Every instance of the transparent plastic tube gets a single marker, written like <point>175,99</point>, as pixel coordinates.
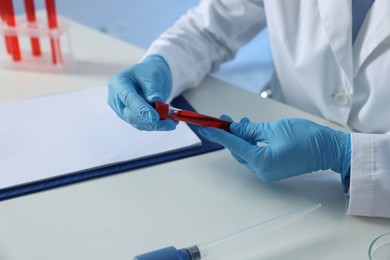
<point>205,249</point>
<point>201,251</point>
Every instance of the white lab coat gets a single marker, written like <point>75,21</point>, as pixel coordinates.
<point>318,70</point>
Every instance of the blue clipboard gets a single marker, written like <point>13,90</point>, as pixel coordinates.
<point>179,102</point>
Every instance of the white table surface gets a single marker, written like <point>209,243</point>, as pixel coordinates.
<point>178,203</point>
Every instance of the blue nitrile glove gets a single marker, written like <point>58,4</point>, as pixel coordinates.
<point>293,147</point>
<point>131,91</point>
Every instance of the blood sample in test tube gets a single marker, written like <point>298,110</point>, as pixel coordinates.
<point>31,18</point>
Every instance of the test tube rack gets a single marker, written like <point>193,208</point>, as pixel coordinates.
<point>34,43</point>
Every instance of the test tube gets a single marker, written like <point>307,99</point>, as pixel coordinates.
<point>167,112</point>
<point>31,18</point>
<point>4,14</point>
<point>203,250</point>
<point>11,22</point>
<point>52,22</point>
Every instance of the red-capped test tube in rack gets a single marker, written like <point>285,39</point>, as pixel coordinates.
<point>31,18</point>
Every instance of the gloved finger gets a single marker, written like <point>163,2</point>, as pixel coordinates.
<point>239,159</point>
<point>257,163</point>
<point>116,104</point>
<point>138,120</point>
<point>226,117</point>
<point>236,156</point>
<point>258,159</point>
<point>157,84</point>
<point>112,99</point>
<point>152,90</point>
<point>123,93</point>
<point>233,143</point>
<point>137,109</point>
<point>162,125</point>
<point>252,131</point>
<point>229,118</point>
<point>148,85</point>
<point>244,120</point>
<point>243,162</point>
<point>165,125</point>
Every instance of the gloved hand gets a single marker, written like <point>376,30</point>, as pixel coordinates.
<point>293,147</point>
<point>131,91</point>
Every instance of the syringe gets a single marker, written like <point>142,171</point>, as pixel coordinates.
<point>167,112</point>
<point>201,251</point>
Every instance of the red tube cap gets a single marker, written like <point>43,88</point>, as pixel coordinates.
<point>162,109</point>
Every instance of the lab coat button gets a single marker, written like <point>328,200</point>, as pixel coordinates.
<point>341,99</point>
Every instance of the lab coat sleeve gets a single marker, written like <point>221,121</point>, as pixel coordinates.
<point>207,36</point>
<point>370,175</point>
